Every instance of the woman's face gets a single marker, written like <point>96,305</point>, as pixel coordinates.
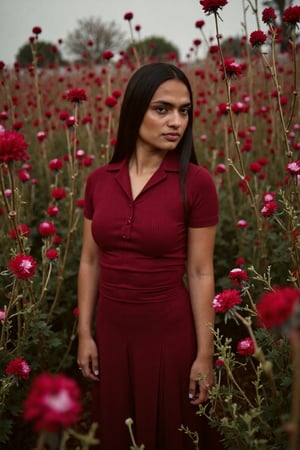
<point>166,118</point>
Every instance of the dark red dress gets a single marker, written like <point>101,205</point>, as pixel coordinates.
<point>144,326</point>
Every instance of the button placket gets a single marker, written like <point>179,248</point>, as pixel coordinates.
<point>128,223</point>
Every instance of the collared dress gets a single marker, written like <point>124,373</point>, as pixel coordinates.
<point>144,325</point>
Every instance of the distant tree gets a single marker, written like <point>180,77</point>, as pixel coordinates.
<point>92,37</point>
<point>155,47</point>
<point>47,54</point>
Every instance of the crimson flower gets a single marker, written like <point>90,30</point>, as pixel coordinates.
<point>110,101</point>
<point>22,266</point>
<point>116,93</point>
<point>257,38</point>
<point>128,16</point>
<point>238,275</point>
<point>242,223</point>
<point>55,164</point>
<point>291,15</point>
<point>231,68</point>
<point>19,368</point>
<point>199,24</point>
<point>53,403</point>
<point>277,306</point>
<point>47,228</point>
<point>226,300</point>
<point>107,54</point>
<point>268,197</point>
<point>268,15</point>
<point>22,230</point>
<point>269,208</point>
<point>254,167</point>
<point>52,211</point>
<point>219,362</point>
<point>58,193</point>
<point>212,6</point>
<point>12,147</point>
<point>36,30</point>
<point>51,253</point>
<point>245,347</point>
<point>222,109</point>
<point>75,95</point>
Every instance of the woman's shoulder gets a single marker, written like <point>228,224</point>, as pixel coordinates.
<point>198,174</point>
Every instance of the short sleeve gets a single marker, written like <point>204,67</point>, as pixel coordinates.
<point>202,198</point>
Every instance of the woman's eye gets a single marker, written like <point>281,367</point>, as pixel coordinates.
<point>161,109</point>
<point>185,111</point>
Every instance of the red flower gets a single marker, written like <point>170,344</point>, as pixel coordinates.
<point>257,38</point>
<point>52,253</point>
<point>245,347</point>
<point>226,300</point>
<point>47,228</point>
<point>12,147</point>
<point>76,95</point>
<point>116,93</point>
<point>254,167</point>
<point>19,368</point>
<point>212,6</point>
<point>268,15</point>
<point>80,203</point>
<point>276,307</point>
<point>22,230</point>
<point>52,403</point>
<point>222,109</point>
<point>58,193</point>
<point>55,164</point>
<point>107,54</point>
<point>268,197</point>
<point>292,15</point>
<point>231,68</point>
<point>110,101</point>
<point>199,23</point>
<point>269,208</point>
<point>242,223</point>
<point>22,266</point>
<point>36,30</point>
<point>52,211</point>
<point>219,362</point>
<point>128,16</point>
<point>237,276</point>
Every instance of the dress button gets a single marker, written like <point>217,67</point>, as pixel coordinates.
<point>129,221</point>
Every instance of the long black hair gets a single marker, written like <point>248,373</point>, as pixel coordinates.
<point>139,92</point>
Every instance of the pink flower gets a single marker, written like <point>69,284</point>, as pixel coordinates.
<point>47,229</point>
<point>22,266</point>
<point>212,6</point>
<point>245,347</point>
<point>22,231</point>
<point>76,95</point>
<point>242,223</point>
<point>52,211</point>
<point>12,147</point>
<point>226,300</point>
<point>257,38</point>
<point>277,306</point>
<point>268,197</point>
<point>2,315</point>
<point>269,209</point>
<point>268,15</point>
<point>293,168</point>
<point>291,15</point>
<point>58,193</point>
<point>52,403</point>
<point>19,368</point>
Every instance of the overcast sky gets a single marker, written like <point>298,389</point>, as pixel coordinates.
<point>172,19</point>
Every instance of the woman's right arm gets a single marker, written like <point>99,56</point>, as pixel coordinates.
<point>88,284</point>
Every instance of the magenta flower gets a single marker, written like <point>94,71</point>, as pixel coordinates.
<point>22,266</point>
<point>277,306</point>
<point>257,38</point>
<point>219,362</point>
<point>226,300</point>
<point>2,315</point>
<point>237,276</point>
<point>212,6</point>
<point>12,147</point>
<point>19,368</point>
<point>58,193</point>
<point>269,208</point>
<point>22,231</point>
<point>293,168</point>
<point>268,197</point>
<point>242,223</point>
<point>53,403</point>
<point>51,254</point>
<point>245,347</point>
<point>52,211</point>
<point>55,164</point>
<point>231,68</point>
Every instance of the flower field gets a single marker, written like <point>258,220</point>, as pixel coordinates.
<point>59,123</point>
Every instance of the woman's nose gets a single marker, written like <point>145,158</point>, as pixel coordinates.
<point>175,119</point>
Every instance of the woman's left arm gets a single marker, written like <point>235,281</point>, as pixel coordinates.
<point>200,272</point>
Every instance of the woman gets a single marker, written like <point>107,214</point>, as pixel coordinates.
<point>150,218</point>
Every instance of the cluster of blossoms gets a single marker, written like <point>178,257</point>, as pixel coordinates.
<point>270,206</point>
<point>53,403</point>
